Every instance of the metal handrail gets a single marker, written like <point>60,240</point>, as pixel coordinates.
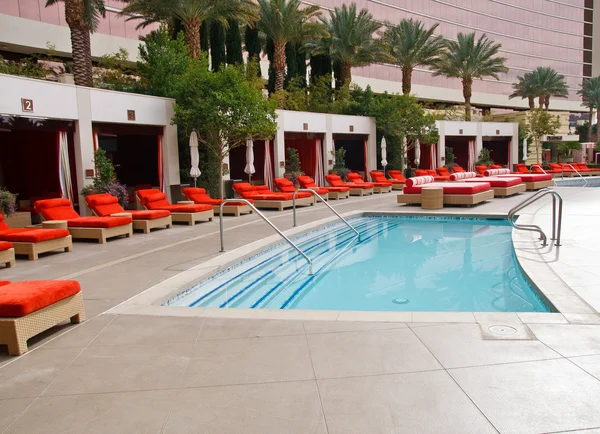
<point>261,215</point>
<point>539,166</point>
<point>314,193</point>
<point>556,228</point>
<point>576,171</point>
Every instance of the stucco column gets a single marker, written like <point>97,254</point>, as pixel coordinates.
<point>372,162</point>
<point>83,144</point>
<point>328,149</point>
<point>279,147</point>
<point>441,145</point>
<point>478,141</point>
<point>170,148</point>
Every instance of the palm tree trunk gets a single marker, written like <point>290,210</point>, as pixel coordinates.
<point>192,36</point>
<point>547,102</point>
<point>589,135</point>
<point>279,64</point>
<point>467,93</point>
<point>406,80</point>
<point>531,103</point>
<point>541,100</point>
<point>346,73</point>
<point>80,42</point>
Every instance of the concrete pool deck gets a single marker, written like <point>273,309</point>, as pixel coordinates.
<point>141,373</point>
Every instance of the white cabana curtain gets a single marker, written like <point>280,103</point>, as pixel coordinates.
<point>319,176</point>
<point>194,156</point>
<point>405,151</point>
<point>64,166</point>
<point>384,161</point>
<point>417,153</point>
<point>525,149</point>
<point>268,168</point>
<point>472,156</point>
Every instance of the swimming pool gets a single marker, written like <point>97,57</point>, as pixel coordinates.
<point>400,264</point>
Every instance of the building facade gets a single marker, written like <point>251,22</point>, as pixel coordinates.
<point>555,33</point>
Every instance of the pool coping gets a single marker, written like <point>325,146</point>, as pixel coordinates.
<point>527,251</point>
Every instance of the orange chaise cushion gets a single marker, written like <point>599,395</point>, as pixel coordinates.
<point>4,282</point>
<point>284,185</point>
<point>335,181</point>
<point>200,196</point>
<point>21,298</point>
<point>32,235</point>
<point>56,209</point>
<point>147,214</point>
<point>104,204</point>
<point>98,222</point>
<point>5,245</point>
<point>396,174</point>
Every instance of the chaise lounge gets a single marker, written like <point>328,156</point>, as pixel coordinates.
<point>265,198</point>
<point>533,181</point>
<point>332,192</point>
<point>433,173</point>
<point>31,307</point>
<point>396,175</point>
<point>503,187</point>
<point>33,241</point>
<point>154,199</point>
<point>378,187</point>
<point>201,197</point>
<point>284,185</point>
<point>378,176</point>
<point>95,228</point>
<point>355,189</point>
<point>454,193</point>
<point>107,205</point>
<point>7,254</point>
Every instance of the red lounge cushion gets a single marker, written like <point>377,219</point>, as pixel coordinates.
<point>284,185</point>
<point>529,177</point>
<point>338,189</point>
<point>235,203</point>
<point>30,235</point>
<point>4,282</point>
<point>2,224</point>
<point>453,188</point>
<point>382,184</point>
<point>481,169</point>
<point>396,174</point>
<point>98,222</point>
<point>149,214</point>
<point>5,245</point>
<point>378,176</point>
<point>21,298</point>
<point>458,169</point>
<point>306,182</point>
<point>362,184</point>
<point>104,204</point>
<point>420,172</point>
<point>320,191</point>
<point>56,209</point>
<point>334,181</point>
<point>496,166</point>
<point>275,196</point>
<point>188,208</point>
<point>498,182</point>
<point>442,171</point>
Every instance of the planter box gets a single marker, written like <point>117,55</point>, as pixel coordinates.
<point>18,220</point>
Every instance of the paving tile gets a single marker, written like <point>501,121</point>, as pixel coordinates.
<point>255,360</point>
<point>463,345</point>
<point>569,340</point>
<point>80,336</point>
<point>443,317</point>
<point>589,364</point>
<point>542,318</point>
<point>131,412</point>
<point>148,330</point>
<point>532,397</point>
<point>124,368</point>
<point>11,409</point>
<point>373,352</point>
<point>424,402</point>
<point>570,304</point>
<point>29,375</point>
<point>313,327</point>
<point>583,318</point>
<point>290,408</point>
<point>231,328</point>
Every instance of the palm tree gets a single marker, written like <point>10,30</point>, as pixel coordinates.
<point>283,21</point>
<point>192,13</point>
<point>549,83</point>
<point>412,45</point>
<point>526,87</point>
<point>83,17</point>
<point>351,41</point>
<point>468,59</point>
<point>590,95</point>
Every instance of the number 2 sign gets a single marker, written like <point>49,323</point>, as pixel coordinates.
<point>26,105</point>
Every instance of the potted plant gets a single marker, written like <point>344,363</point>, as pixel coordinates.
<point>339,166</point>
<point>565,151</point>
<point>8,202</point>
<point>105,180</point>
<point>485,159</point>
<point>292,166</point>
<point>449,158</point>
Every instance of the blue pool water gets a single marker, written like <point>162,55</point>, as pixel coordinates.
<point>400,264</point>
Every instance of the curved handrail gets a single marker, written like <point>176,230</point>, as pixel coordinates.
<point>261,215</point>
<point>539,166</point>
<point>556,229</point>
<point>576,171</point>
<point>314,193</point>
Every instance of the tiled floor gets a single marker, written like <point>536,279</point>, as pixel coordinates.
<point>152,374</point>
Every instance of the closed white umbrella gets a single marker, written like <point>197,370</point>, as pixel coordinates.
<point>405,151</point>
<point>194,171</point>
<point>383,153</point>
<point>249,169</point>
<point>417,153</point>
<point>524,149</point>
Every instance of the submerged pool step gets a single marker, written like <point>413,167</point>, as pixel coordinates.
<point>263,270</point>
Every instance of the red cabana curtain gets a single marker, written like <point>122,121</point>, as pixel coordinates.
<point>366,177</point>
<point>161,166</point>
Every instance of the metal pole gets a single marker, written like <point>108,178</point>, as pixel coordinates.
<point>553,217</point>
<point>560,205</point>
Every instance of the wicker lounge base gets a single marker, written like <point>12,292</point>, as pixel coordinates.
<point>32,250</point>
<point>14,332</point>
<point>397,186</point>
<point>282,204</point>
<point>337,195</point>
<point>234,210</point>
<point>508,191</point>
<point>360,191</point>
<point>146,225</point>
<point>101,234</point>
<point>382,189</point>
<point>538,184</point>
<point>450,199</point>
<point>192,217</point>
<point>7,257</point>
